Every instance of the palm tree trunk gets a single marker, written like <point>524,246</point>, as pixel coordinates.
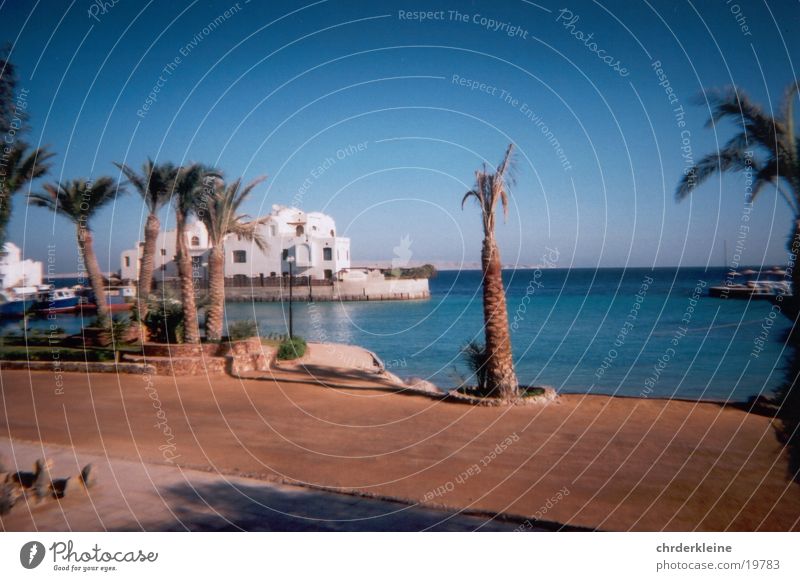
<point>86,248</point>
<point>191,328</point>
<point>794,249</point>
<point>501,380</point>
<point>147,266</point>
<point>216,293</point>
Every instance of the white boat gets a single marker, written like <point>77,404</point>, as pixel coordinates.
<point>18,301</point>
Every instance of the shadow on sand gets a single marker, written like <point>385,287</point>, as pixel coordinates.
<point>232,506</point>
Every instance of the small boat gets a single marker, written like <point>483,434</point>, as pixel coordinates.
<point>18,301</point>
<point>58,300</point>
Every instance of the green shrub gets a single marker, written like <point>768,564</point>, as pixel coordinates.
<point>118,329</point>
<point>292,348</point>
<point>240,330</point>
<point>164,320</point>
<point>475,355</point>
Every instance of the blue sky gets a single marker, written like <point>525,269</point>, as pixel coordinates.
<point>278,88</point>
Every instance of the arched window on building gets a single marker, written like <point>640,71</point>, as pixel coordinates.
<point>299,231</point>
<point>195,241</point>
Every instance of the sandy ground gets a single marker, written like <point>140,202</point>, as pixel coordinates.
<point>137,496</point>
<point>590,461</point>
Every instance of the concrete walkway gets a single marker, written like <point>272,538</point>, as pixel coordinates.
<point>134,496</point>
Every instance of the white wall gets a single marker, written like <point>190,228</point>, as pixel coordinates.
<point>14,271</point>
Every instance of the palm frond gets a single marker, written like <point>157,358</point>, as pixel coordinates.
<point>78,200</point>
<point>787,114</point>
<point>222,217</point>
<point>472,193</point>
<point>733,159</point>
<point>760,128</point>
<point>492,188</point>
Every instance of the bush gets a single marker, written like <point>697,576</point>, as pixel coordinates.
<point>164,320</point>
<point>241,330</point>
<point>475,355</point>
<point>292,348</point>
<point>424,271</point>
<point>119,329</point>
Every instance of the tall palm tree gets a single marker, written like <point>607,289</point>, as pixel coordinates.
<point>222,218</point>
<point>19,169</point>
<point>776,166</point>
<point>79,201</point>
<point>153,184</point>
<point>191,186</point>
<point>491,188</point>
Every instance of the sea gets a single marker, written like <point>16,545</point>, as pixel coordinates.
<point>636,332</point>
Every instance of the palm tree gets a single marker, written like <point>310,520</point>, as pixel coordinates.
<point>153,185</point>
<point>491,188</point>
<point>191,186</point>
<point>221,218</point>
<point>79,201</point>
<point>778,165</point>
<point>19,169</point>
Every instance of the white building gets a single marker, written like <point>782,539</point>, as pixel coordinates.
<point>15,272</point>
<point>308,237</point>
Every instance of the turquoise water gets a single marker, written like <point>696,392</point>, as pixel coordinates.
<point>577,330</point>
<point>569,331</point>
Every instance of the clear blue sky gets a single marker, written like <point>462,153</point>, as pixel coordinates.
<point>279,87</point>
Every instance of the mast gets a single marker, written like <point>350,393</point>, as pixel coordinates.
<point>725,253</point>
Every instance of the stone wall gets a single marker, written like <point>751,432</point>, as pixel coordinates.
<point>362,290</point>
<point>206,359</point>
<point>80,366</point>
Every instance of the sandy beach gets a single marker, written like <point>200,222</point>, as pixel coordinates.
<point>585,461</point>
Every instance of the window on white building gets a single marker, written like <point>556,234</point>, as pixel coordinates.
<point>273,230</point>
<point>127,261</point>
<point>299,231</point>
<point>327,254</point>
<point>239,256</point>
<point>195,241</point>
<point>163,252</point>
<point>285,254</point>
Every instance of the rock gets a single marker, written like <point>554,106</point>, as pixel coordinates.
<point>9,494</point>
<point>87,477</point>
<point>22,479</point>
<point>60,487</point>
<point>419,384</point>
<point>42,482</point>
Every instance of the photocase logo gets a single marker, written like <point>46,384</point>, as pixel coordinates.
<point>402,253</point>
<point>31,554</point>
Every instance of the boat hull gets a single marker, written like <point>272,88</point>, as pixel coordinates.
<point>15,309</point>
